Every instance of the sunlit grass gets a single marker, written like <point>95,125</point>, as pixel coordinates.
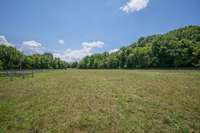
<point>102,101</point>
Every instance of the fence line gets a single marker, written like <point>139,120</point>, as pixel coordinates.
<point>23,73</point>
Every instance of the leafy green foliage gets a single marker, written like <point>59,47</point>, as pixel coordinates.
<point>178,48</point>
<point>11,58</point>
<point>1,65</point>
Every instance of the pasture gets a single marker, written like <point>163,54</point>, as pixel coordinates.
<point>102,101</point>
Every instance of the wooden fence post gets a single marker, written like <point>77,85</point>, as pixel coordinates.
<point>23,75</point>
<point>32,74</point>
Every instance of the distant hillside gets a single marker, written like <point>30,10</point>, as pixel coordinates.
<point>177,48</point>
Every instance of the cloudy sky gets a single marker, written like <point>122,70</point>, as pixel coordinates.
<point>72,29</point>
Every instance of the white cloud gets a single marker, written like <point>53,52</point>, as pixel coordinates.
<point>28,47</point>
<point>113,50</point>
<point>32,47</point>
<point>69,55</point>
<point>94,44</point>
<point>134,5</point>
<point>3,41</point>
<point>76,55</point>
<point>61,41</point>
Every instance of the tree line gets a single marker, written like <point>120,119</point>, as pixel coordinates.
<point>12,59</point>
<point>178,48</point>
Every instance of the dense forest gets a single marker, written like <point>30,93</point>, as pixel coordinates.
<point>178,48</point>
<point>11,58</point>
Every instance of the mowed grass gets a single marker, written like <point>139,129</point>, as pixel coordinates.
<point>102,101</point>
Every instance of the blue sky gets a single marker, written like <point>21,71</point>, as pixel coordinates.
<point>72,29</point>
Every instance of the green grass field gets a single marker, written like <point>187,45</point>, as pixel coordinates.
<point>104,101</point>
